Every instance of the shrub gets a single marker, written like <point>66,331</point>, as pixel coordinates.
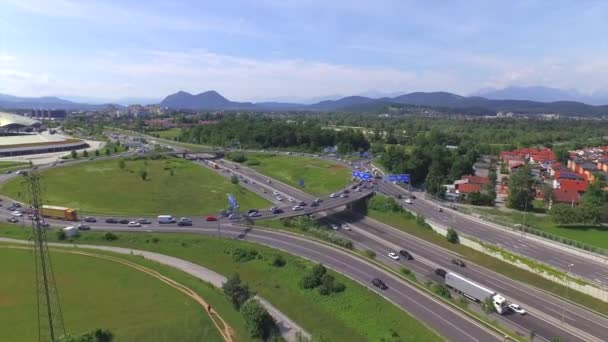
<point>237,292</point>
<point>278,261</point>
<point>370,254</point>
<point>258,321</point>
<point>61,235</point>
<point>452,236</point>
<point>441,290</point>
<point>243,255</point>
<point>252,162</point>
<point>109,236</point>
<point>237,157</point>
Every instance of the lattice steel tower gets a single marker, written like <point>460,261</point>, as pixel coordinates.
<point>50,320</point>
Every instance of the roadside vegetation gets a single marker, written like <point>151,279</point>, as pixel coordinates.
<point>168,134</point>
<point>11,165</point>
<point>97,293</point>
<point>138,186</point>
<point>354,314</point>
<point>381,208</point>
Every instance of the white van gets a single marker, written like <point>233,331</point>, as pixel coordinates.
<point>165,219</point>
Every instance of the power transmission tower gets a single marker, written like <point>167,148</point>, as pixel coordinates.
<point>50,320</point>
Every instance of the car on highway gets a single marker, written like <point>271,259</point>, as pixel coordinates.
<point>277,211</point>
<point>264,191</point>
<point>12,220</point>
<point>344,195</point>
<point>458,262</point>
<point>111,220</point>
<point>406,254</point>
<point>393,256</point>
<point>317,200</point>
<point>83,227</point>
<point>346,227</point>
<point>399,196</point>
<point>302,204</point>
<point>296,208</point>
<point>334,226</point>
<point>184,221</point>
<point>413,196</point>
<point>17,213</point>
<point>255,214</point>
<point>346,191</point>
<point>290,199</point>
<point>279,198</point>
<point>276,193</point>
<point>379,284</point>
<point>268,181</point>
<point>132,224</point>
<point>125,221</point>
<point>143,221</point>
<point>441,272</point>
<point>516,308</point>
<point>334,195</point>
<point>210,219</point>
<point>90,219</point>
<point>251,211</point>
<point>440,209</point>
<point>314,204</point>
<point>358,190</point>
<point>234,217</point>
<point>408,201</point>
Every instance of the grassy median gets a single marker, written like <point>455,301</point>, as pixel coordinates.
<point>356,314</point>
<point>320,176</point>
<point>171,186</point>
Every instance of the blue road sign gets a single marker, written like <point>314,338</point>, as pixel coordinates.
<point>403,178</point>
<point>232,202</point>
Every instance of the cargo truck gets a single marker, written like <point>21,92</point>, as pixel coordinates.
<point>61,213</point>
<point>476,292</point>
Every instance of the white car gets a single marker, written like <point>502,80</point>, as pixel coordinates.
<point>334,195</point>
<point>393,256</point>
<point>296,208</point>
<point>17,213</point>
<point>134,224</point>
<point>276,193</point>
<point>346,227</point>
<point>291,200</point>
<point>279,198</point>
<point>408,201</point>
<point>335,227</point>
<point>517,308</point>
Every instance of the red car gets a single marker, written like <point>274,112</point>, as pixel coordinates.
<point>210,218</point>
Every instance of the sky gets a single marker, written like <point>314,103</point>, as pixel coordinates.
<point>252,50</point>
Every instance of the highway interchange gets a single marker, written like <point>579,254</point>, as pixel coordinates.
<point>546,311</point>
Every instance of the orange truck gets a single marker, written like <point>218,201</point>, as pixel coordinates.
<point>61,213</point>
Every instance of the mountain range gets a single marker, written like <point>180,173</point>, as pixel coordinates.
<point>542,94</point>
<point>491,103</point>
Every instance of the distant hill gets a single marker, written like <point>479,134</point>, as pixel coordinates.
<point>47,102</point>
<point>207,100</point>
<point>542,94</point>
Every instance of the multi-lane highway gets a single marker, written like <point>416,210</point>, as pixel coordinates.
<point>586,268</point>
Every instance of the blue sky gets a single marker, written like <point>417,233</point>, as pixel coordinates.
<point>290,49</point>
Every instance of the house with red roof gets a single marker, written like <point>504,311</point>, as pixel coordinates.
<point>467,188</point>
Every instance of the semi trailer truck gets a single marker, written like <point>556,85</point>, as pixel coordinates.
<point>61,213</point>
<point>476,292</point>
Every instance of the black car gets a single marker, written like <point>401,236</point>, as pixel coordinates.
<point>314,204</point>
<point>12,220</point>
<point>399,197</point>
<point>379,283</point>
<point>251,211</point>
<point>441,272</point>
<point>124,221</point>
<point>184,223</point>
<point>413,196</point>
<point>277,211</point>
<point>346,191</point>
<point>143,221</point>
<point>406,254</point>
<point>83,227</point>
<point>111,220</point>
<point>458,262</point>
<point>302,204</point>
<point>353,187</point>
<point>90,219</point>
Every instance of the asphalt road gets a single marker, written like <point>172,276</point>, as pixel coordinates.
<point>446,321</point>
<point>548,316</point>
<point>583,267</point>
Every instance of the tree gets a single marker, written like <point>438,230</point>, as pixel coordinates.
<point>96,153</point>
<point>521,190</point>
<point>108,152</point>
<point>237,292</point>
<point>122,164</point>
<point>258,321</point>
<point>234,179</point>
<point>97,335</point>
<point>85,153</point>
<point>74,154</point>
<point>452,236</point>
<point>548,195</point>
<point>61,235</point>
<point>143,174</point>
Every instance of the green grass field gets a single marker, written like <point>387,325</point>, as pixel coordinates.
<point>591,235</point>
<point>168,134</point>
<point>321,177</point>
<point>174,186</point>
<point>354,315</point>
<point>97,293</point>
<point>10,165</point>
<point>398,220</point>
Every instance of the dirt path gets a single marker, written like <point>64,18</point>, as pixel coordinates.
<point>224,329</point>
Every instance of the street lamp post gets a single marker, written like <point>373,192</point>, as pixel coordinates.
<point>567,290</point>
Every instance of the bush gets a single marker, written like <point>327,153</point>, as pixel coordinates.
<point>61,235</point>
<point>441,290</point>
<point>109,236</point>
<point>252,162</point>
<point>237,292</point>
<point>244,255</point>
<point>278,261</point>
<point>237,157</point>
<point>234,180</point>
<point>370,254</point>
<point>406,271</point>
<point>452,236</point>
<point>318,277</point>
<point>258,321</point>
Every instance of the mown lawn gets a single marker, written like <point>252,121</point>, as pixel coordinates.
<point>357,314</point>
<point>320,176</point>
<point>97,293</point>
<point>11,165</point>
<point>174,186</point>
<point>168,134</point>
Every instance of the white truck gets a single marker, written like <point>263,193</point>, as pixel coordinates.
<point>165,219</point>
<point>476,292</point>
